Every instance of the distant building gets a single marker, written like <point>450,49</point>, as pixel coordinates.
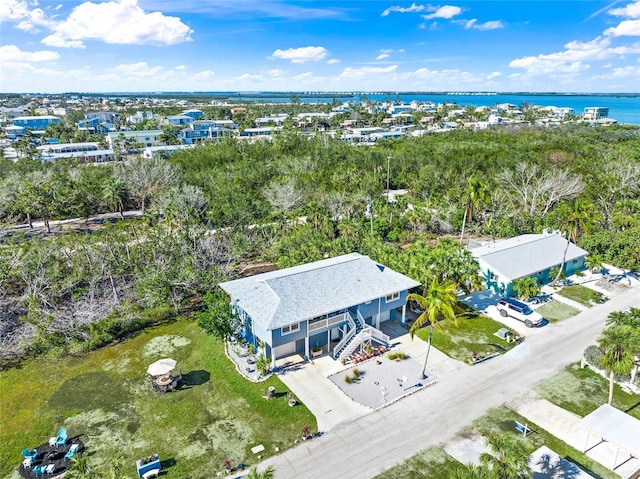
<point>139,137</point>
<point>592,113</point>
<point>202,130</point>
<point>36,122</point>
<point>88,152</point>
<point>179,120</point>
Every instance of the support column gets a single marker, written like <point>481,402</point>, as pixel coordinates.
<point>273,359</point>
<point>306,347</point>
<point>403,321</point>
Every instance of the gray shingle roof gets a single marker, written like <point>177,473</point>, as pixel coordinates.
<point>527,254</point>
<point>287,296</point>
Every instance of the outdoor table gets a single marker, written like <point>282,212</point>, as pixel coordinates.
<point>164,380</point>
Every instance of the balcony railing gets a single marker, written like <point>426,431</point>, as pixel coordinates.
<point>327,322</point>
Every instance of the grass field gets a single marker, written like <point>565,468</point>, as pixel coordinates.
<point>580,294</point>
<point>474,334</point>
<point>582,391</point>
<point>555,311</point>
<point>105,397</point>
<point>428,464</point>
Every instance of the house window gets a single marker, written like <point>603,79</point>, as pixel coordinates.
<point>392,297</point>
<point>574,261</point>
<point>493,277</point>
<point>292,328</point>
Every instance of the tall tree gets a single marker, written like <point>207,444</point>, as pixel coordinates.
<point>476,194</point>
<point>619,345</point>
<point>575,218</point>
<point>438,304</point>
<point>116,194</point>
<point>146,178</point>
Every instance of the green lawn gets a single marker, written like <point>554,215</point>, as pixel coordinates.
<point>473,334</point>
<point>105,396</point>
<point>428,464</point>
<point>581,391</point>
<point>502,419</point>
<point>580,294</point>
<point>555,311</point>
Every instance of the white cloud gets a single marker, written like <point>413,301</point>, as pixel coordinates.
<point>447,12</point>
<point>301,55</point>
<point>140,69</point>
<point>571,59</point>
<point>350,73</point>
<point>307,78</point>
<point>246,77</point>
<point>382,56</point>
<point>121,22</point>
<point>493,75</point>
<point>398,9</point>
<point>630,28</point>
<point>59,42</point>
<point>203,75</point>
<point>630,11</point>
<point>29,19</point>
<point>473,24</point>
<point>276,72</point>
<point>333,61</point>
<point>11,53</point>
<point>181,67</point>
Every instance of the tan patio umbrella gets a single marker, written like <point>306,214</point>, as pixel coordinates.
<point>161,367</point>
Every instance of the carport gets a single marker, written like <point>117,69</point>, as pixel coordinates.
<point>615,427</point>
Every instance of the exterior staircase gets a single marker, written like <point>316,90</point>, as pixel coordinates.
<point>358,334</point>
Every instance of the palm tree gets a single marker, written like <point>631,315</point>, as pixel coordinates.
<point>576,218</point>
<point>266,473</point>
<point>619,344</point>
<point>470,471</point>
<point>438,303</point>
<point>594,262</point>
<point>475,195</point>
<point>526,287</point>
<point>508,458</point>
<point>116,194</point>
<point>628,318</point>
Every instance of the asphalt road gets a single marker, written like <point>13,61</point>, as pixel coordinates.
<point>377,441</point>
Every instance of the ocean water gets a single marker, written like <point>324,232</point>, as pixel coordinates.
<point>623,108</point>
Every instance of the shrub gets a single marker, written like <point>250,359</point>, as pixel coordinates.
<point>347,379</point>
<point>592,356</point>
<point>356,373</point>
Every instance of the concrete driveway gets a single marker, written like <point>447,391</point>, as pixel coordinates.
<point>309,382</point>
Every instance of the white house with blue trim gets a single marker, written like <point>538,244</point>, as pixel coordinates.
<point>335,304</point>
<point>534,255</point>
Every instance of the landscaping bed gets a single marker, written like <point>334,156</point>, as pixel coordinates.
<point>106,397</point>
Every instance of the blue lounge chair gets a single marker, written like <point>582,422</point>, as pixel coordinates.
<point>39,470</point>
<point>30,454</point>
<point>61,440</point>
<point>72,451</point>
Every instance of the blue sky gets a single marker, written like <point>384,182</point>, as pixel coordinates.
<point>361,45</point>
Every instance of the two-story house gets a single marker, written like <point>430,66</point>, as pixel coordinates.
<point>335,304</point>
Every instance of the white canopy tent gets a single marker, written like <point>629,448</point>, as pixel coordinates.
<point>615,427</point>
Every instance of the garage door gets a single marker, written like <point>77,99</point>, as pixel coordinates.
<point>285,350</point>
